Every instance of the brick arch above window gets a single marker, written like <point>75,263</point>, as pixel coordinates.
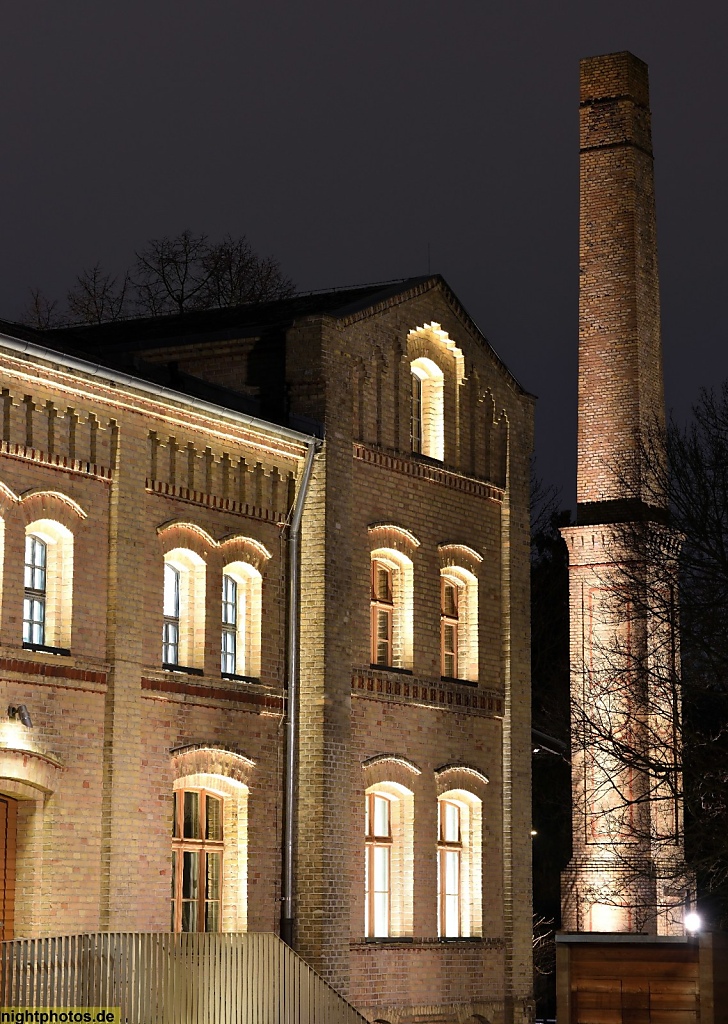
<point>461,776</point>
<point>27,774</point>
<point>54,505</point>
<point>389,535</point>
<point>239,548</point>
<point>182,534</point>
<point>208,759</point>
<point>459,555</point>
<point>390,767</point>
<point>430,342</point>
<point>8,499</point>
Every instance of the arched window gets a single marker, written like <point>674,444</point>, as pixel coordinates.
<point>34,602</point>
<point>459,623</point>
<point>428,408</point>
<point>170,638</point>
<point>391,608</point>
<point>197,861</point>
<point>183,630</point>
<point>241,620</point>
<point>459,864</point>
<point>388,851</point>
<point>378,871</point>
<point>48,585</point>
<point>210,820</point>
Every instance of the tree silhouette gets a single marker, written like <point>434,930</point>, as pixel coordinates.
<point>170,275</point>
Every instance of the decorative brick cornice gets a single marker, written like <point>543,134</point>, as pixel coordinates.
<point>424,471</point>
<point>448,696</point>
<point>213,501</point>
<point>40,668</point>
<point>262,701</point>
<point>19,451</point>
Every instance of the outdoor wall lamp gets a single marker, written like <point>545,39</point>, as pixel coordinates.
<point>20,711</point>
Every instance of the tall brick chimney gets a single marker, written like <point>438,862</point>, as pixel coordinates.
<point>620,359</point>
<point>627,872</point>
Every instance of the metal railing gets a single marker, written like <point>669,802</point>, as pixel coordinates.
<point>162,978</point>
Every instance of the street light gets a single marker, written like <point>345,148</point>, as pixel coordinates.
<point>692,922</point>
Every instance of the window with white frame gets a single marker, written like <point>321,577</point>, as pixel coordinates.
<point>388,867</point>
<point>48,585</point>
<point>378,869</point>
<point>428,408</point>
<point>34,601</point>
<point>459,864</point>
<point>170,633</point>
<point>391,609</point>
<point>449,868</point>
<point>230,611</point>
<point>240,643</point>
<point>183,606</point>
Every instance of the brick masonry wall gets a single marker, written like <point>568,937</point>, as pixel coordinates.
<point>94,776</point>
<point>358,374</point>
<point>167,467</point>
<point>620,358</point>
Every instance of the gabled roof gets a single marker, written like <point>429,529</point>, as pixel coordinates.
<point>115,343</point>
<point>248,320</point>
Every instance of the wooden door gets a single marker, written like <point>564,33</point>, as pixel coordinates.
<point>8,834</point>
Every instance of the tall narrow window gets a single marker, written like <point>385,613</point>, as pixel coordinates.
<point>228,651</point>
<point>34,602</point>
<point>449,858</point>
<point>416,428</point>
<point>428,408</point>
<point>449,629</point>
<point>382,614</point>
<point>242,614</point>
<point>378,867</point>
<point>459,624</point>
<point>197,848</point>
<point>170,637</point>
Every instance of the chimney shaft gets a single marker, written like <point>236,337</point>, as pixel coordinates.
<point>620,362</point>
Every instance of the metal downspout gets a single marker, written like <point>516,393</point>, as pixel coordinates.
<point>293,668</point>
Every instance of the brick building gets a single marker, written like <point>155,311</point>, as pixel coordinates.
<point>151,474</point>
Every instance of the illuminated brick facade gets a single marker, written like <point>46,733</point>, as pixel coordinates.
<point>145,479</point>
<point>627,869</point>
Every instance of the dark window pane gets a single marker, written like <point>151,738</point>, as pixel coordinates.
<point>190,874</point>
<point>192,816</point>
<point>189,916</point>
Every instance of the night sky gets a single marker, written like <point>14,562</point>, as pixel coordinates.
<point>350,139</point>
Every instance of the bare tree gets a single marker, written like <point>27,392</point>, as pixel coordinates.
<point>170,275</point>
<point>653,719</point>
<point>237,275</point>
<point>97,297</point>
<point>42,312</point>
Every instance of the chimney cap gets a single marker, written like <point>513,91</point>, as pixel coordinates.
<point>614,76</point>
